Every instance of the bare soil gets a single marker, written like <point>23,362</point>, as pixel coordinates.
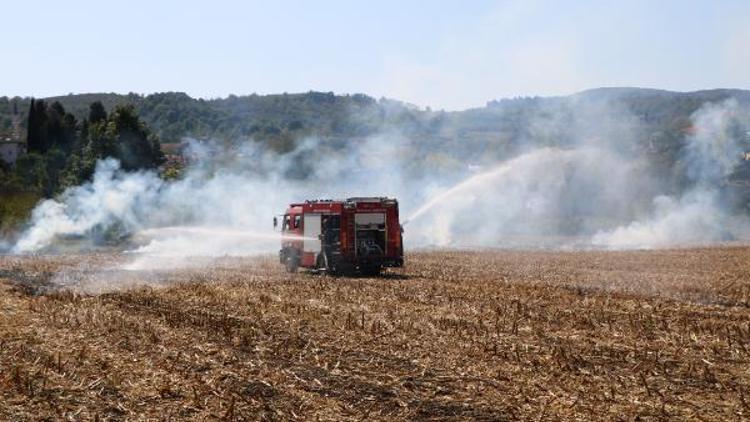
<point>482,335</point>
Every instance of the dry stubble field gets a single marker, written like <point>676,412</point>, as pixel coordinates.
<point>456,335</point>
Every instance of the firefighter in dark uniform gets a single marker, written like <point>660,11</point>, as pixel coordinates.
<point>330,246</point>
<point>326,243</point>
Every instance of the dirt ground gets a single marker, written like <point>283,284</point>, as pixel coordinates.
<point>482,335</point>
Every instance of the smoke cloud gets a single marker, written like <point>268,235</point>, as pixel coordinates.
<point>700,215</point>
<point>593,188</point>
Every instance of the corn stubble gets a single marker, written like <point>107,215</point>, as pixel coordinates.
<point>456,335</point>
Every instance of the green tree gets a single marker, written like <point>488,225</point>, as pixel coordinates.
<point>60,130</point>
<point>137,148</point>
<point>100,143</point>
<point>97,113</point>
<point>122,136</point>
<point>33,135</point>
<point>30,172</point>
<point>54,163</point>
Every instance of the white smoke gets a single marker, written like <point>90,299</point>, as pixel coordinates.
<point>712,153</point>
<point>112,196</point>
<point>713,150</point>
<point>690,220</point>
<point>222,207</point>
<point>593,189</point>
<point>526,201</point>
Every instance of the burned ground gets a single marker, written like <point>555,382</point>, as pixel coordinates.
<point>457,335</point>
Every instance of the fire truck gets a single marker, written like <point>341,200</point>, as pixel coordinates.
<point>356,235</point>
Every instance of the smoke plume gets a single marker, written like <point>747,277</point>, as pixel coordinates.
<point>592,186</point>
<point>700,215</point>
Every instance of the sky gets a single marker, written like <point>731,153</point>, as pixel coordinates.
<point>448,55</point>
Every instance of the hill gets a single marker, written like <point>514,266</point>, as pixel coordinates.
<point>648,122</point>
<point>174,115</point>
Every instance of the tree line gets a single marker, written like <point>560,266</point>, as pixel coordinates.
<point>62,151</point>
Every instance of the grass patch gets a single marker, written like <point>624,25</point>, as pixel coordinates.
<point>15,209</point>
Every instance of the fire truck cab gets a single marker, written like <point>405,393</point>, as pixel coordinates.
<point>342,236</point>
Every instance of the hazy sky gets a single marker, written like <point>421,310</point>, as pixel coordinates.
<point>449,54</point>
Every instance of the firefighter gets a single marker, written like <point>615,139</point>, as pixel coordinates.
<point>325,240</point>
<point>329,239</point>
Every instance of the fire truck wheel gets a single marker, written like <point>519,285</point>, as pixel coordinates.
<point>292,263</point>
<point>370,270</point>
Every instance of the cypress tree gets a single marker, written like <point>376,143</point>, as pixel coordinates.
<point>42,126</point>
<point>32,130</point>
<point>70,128</point>
<point>54,129</point>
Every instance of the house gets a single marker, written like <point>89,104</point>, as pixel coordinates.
<point>11,149</point>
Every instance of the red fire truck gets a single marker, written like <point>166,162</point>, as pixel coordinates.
<point>342,236</point>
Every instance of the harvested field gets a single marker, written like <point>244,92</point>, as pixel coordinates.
<point>455,335</point>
